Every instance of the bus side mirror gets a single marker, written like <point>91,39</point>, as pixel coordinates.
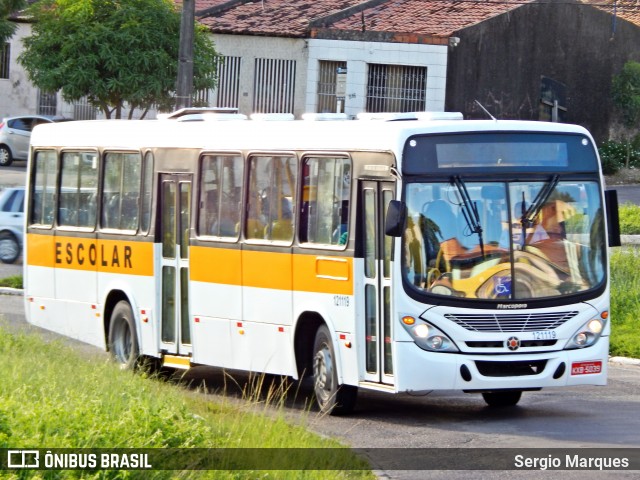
<point>613,218</point>
<point>396,216</point>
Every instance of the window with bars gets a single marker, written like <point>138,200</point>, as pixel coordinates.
<point>396,88</point>
<point>5,57</point>
<point>327,100</point>
<point>227,92</point>
<point>274,85</point>
<point>47,103</point>
<point>82,110</point>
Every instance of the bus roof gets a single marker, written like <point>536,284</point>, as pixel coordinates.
<point>372,135</point>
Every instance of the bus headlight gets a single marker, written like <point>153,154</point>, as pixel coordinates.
<point>427,336</point>
<point>587,335</point>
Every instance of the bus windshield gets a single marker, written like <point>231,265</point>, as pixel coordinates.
<point>504,240</point>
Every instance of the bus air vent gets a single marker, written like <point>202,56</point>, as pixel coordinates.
<point>515,322</point>
<point>510,369</point>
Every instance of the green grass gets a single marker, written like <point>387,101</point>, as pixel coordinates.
<point>629,219</point>
<point>625,301</point>
<point>51,397</point>
<point>12,282</point>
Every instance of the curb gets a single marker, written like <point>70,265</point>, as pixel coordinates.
<point>625,361</point>
<point>630,239</point>
<point>11,291</point>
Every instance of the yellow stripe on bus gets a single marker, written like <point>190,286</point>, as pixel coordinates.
<point>249,268</point>
<point>281,271</point>
<point>111,256</point>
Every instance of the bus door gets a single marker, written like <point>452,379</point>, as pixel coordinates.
<point>378,361</point>
<point>175,215</point>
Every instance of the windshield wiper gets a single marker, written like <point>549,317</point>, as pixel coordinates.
<point>529,215</point>
<point>469,211</point>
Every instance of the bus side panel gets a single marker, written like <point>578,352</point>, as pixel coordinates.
<point>140,293</point>
<point>324,284</point>
<point>46,313</point>
<point>262,347</point>
<point>267,295</point>
<point>340,319</point>
<point>216,289</point>
<point>211,341</point>
<point>39,262</point>
<point>213,308</point>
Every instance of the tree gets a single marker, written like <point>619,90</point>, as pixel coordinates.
<point>113,52</point>
<point>625,92</point>
<point>7,27</point>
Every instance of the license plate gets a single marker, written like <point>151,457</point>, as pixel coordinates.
<point>586,368</point>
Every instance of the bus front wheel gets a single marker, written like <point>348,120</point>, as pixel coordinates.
<point>331,397</point>
<point>123,341</point>
<point>507,398</point>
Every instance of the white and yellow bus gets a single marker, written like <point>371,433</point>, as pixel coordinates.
<point>399,256</point>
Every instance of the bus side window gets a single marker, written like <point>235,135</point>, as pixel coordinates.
<point>326,192</point>
<point>78,189</point>
<point>43,188</point>
<point>121,190</point>
<point>220,196</point>
<point>271,202</point>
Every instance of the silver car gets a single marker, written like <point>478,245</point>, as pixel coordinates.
<point>15,133</point>
<point>11,223</point>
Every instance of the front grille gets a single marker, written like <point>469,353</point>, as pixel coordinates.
<point>510,369</point>
<point>514,322</point>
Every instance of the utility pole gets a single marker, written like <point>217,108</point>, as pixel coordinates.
<point>185,56</point>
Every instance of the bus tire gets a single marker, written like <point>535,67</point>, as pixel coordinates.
<point>123,341</point>
<point>332,398</point>
<point>9,247</point>
<point>507,398</point>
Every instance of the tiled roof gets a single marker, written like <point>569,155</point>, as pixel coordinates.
<point>628,10</point>
<point>432,18</point>
<point>289,18</point>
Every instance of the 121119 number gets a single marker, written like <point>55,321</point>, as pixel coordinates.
<point>545,335</point>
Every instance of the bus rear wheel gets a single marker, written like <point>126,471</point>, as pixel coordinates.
<point>331,397</point>
<point>123,341</point>
<point>507,398</point>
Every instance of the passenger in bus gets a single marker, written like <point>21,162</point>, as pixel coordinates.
<point>340,234</point>
<point>226,225</point>
<point>221,216</point>
<point>282,226</point>
<point>549,233</point>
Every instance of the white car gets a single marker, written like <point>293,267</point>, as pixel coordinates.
<point>15,133</point>
<point>11,223</point>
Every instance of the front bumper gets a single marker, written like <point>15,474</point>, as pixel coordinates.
<point>419,370</point>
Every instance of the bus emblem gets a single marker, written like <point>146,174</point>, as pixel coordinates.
<point>513,343</point>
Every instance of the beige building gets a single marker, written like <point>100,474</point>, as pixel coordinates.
<point>290,56</point>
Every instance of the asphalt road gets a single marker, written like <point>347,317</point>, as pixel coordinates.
<point>628,194</point>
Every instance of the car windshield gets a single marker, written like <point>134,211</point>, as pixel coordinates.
<point>504,240</point>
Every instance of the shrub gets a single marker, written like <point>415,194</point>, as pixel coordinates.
<point>614,155</point>
<point>629,219</point>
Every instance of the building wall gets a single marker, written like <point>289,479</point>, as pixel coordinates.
<point>17,94</point>
<point>500,63</point>
<point>359,54</point>
<point>251,48</point>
